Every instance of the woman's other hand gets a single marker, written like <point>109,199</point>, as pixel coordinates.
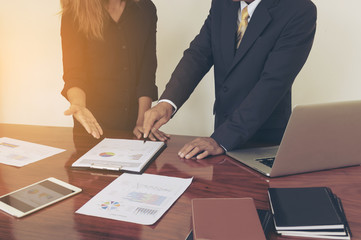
<point>85,118</point>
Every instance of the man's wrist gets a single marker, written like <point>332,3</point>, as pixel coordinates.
<point>174,107</point>
<point>224,149</point>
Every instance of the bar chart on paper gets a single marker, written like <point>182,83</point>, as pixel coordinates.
<point>139,199</point>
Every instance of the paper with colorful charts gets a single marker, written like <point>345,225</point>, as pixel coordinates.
<point>135,198</point>
<point>20,153</point>
<point>120,154</point>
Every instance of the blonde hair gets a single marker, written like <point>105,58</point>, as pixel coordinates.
<point>88,14</point>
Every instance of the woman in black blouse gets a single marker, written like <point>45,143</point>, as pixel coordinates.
<point>109,61</point>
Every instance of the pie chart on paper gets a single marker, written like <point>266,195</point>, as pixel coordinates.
<point>110,205</point>
<point>107,154</point>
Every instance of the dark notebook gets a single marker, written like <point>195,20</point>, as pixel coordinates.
<point>344,233</point>
<point>305,209</point>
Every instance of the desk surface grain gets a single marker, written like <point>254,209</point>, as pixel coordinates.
<point>218,176</point>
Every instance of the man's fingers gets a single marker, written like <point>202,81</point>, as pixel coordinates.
<point>155,117</point>
<point>185,151</point>
<point>155,130</point>
<point>152,137</point>
<point>193,153</point>
<point>159,123</point>
<point>161,135</point>
<point>203,155</point>
<point>200,148</point>
<point>149,120</point>
<point>166,135</point>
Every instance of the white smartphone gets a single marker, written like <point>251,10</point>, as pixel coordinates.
<point>36,196</point>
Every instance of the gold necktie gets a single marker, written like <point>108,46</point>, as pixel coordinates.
<point>242,25</point>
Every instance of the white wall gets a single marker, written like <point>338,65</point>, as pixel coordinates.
<point>31,68</point>
<point>30,63</point>
<point>332,70</point>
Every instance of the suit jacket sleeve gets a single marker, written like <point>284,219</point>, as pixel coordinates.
<point>280,69</point>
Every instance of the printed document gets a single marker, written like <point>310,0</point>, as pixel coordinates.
<point>135,198</point>
<point>120,154</point>
<point>20,153</point>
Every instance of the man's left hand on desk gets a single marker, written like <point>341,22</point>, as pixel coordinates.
<point>200,148</point>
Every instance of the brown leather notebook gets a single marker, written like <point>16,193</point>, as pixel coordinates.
<point>226,218</point>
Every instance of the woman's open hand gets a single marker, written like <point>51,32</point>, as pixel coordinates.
<point>86,118</point>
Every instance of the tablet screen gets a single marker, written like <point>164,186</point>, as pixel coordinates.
<point>34,196</point>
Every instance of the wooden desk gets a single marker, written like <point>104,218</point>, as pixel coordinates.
<point>214,177</point>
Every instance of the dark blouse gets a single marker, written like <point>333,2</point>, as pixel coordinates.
<point>116,71</point>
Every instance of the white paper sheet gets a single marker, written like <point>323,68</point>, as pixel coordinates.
<point>141,199</point>
<point>116,154</point>
<point>20,153</point>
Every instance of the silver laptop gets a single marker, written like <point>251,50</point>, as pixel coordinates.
<point>317,137</point>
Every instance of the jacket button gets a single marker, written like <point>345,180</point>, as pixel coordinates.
<point>225,89</point>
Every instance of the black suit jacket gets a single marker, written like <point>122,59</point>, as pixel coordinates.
<point>252,83</point>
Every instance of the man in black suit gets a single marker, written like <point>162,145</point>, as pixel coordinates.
<point>252,82</point>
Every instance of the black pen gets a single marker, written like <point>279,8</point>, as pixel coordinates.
<point>145,139</point>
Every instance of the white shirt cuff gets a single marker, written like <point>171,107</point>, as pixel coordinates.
<point>171,103</point>
<point>225,150</point>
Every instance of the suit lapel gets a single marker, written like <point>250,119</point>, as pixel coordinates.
<point>228,31</point>
<point>260,19</point>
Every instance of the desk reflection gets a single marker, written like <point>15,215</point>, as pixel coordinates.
<point>218,176</point>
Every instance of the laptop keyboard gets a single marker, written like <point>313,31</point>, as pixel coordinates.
<point>266,161</point>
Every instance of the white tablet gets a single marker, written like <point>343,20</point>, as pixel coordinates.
<point>36,196</point>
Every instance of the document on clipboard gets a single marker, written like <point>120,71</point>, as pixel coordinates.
<point>120,155</point>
